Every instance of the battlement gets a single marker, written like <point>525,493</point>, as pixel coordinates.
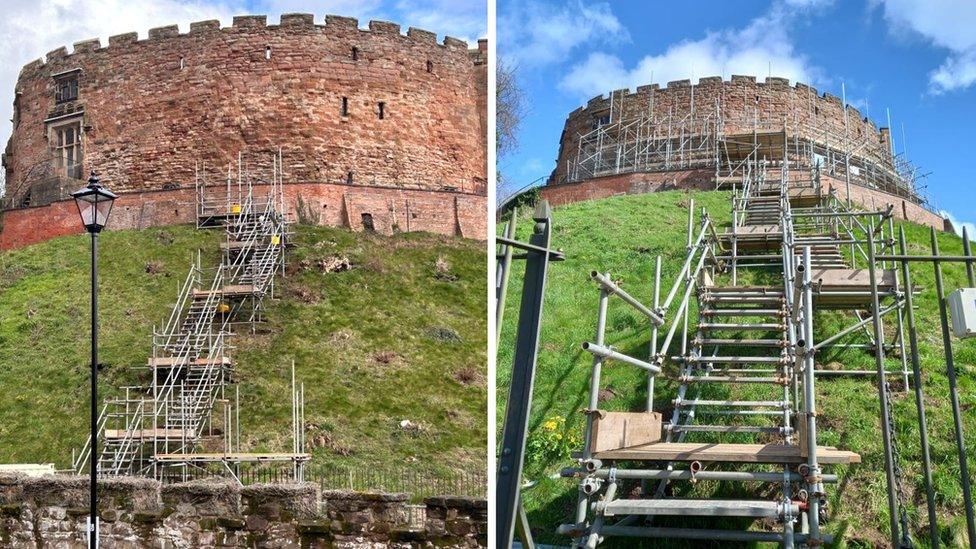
<point>602,102</point>
<point>288,23</point>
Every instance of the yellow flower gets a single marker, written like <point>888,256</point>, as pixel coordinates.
<point>549,425</point>
<point>559,436</point>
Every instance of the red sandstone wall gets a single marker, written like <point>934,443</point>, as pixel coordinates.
<point>147,120</point>
<point>875,200</point>
<point>392,210</point>
<point>639,183</point>
<point>629,183</point>
<point>740,100</point>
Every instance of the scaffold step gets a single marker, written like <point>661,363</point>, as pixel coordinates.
<point>710,452</point>
<point>743,312</point>
<point>733,379</point>
<point>742,371</point>
<point>117,434</point>
<point>752,327</point>
<point>226,291</point>
<point>171,361</point>
<point>732,360</point>
<point>739,300</point>
<point>740,342</point>
<point>696,508</point>
<point>698,428</point>
<point>733,403</point>
<point>761,291</point>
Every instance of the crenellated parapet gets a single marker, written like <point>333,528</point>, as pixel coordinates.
<point>335,25</point>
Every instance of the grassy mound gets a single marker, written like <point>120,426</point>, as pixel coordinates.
<point>623,235</point>
<point>400,335</point>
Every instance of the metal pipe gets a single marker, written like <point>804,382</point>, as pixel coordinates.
<point>954,397</point>
<point>681,309</point>
<point>504,269</point>
<point>927,258</point>
<point>698,534</point>
<point>606,352</point>
<point>594,400</point>
<point>610,286</point>
<point>968,253</point>
<point>657,301</point>
<point>854,327</point>
<point>814,488</point>
<point>919,397</point>
<point>882,398</point>
<point>681,273</point>
<point>663,474</point>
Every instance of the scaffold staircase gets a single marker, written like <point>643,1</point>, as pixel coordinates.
<point>160,428</point>
<point>745,406</point>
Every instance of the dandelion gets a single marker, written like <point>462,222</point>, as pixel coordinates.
<point>550,425</point>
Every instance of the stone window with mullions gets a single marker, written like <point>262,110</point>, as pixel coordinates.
<point>66,88</point>
<point>66,149</point>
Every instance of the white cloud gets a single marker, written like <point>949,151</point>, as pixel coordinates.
<point>958,225</point>
<point>947,24</point>
<point>465,20</point>
<point>762,47</point>
<point>537,33</point>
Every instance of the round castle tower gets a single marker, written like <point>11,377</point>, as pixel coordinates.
<point>705,135</point>
<point>370,123</point>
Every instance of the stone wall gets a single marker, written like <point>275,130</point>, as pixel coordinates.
<point>140,513</point>
<point>392,210</point>
<point>153,111</point>
<point>639,183</point>
<point>628,183</point>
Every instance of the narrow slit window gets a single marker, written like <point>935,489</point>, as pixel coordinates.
<point>430,66</point>
<point>355,53</point>
<point>267,52</point>
<point>345,106</point>
<point>182,63</point>
<point>349,178</point>
<point>382,110</point>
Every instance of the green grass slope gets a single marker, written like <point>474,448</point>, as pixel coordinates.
<point>400,335</point>
<point>623,235</point>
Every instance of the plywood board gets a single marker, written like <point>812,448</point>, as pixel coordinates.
<point>613,430</point>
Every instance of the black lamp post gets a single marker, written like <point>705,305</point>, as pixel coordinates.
<point>94,204</point>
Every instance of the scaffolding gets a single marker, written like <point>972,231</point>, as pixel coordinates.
<point>707,138</point>
<point>808,245</point>
<point>159,430</point>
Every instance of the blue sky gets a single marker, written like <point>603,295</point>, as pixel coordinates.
<point>31,29</point>
<point>915,57</point>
